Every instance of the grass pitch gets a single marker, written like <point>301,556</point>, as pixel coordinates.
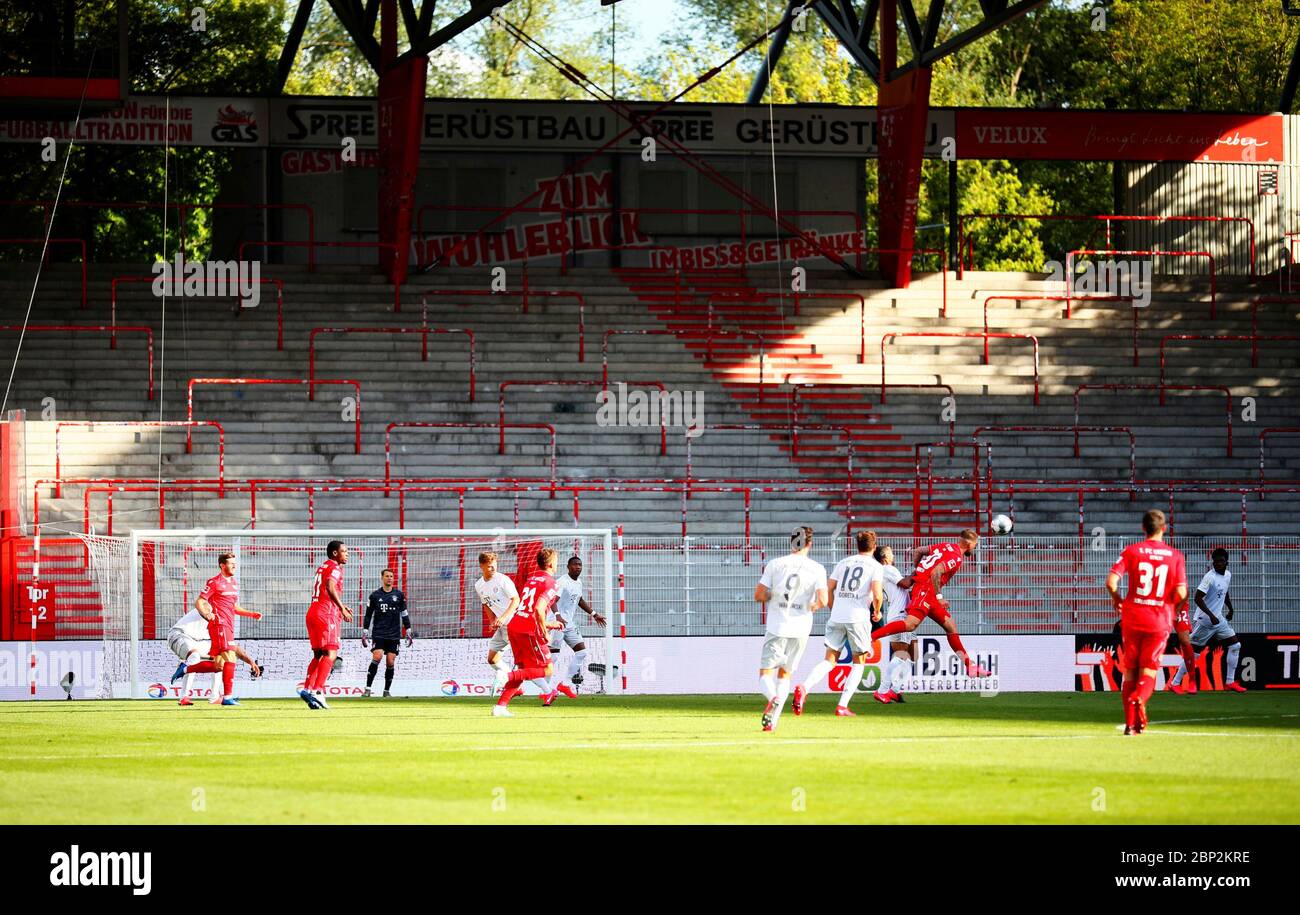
<point>1016,758</point>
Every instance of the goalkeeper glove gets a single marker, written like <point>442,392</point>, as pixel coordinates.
<point>410,637</point>
<point>365,636</point>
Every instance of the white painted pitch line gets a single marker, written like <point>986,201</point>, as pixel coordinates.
<point>1221,718</point>
<point>605,745</point>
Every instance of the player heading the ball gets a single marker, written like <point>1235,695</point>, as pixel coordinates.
<point>795,586</point>
<point>934,570</point>
<point>1157,583</point>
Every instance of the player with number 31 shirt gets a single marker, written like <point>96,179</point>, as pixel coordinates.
<point>1157,584</point>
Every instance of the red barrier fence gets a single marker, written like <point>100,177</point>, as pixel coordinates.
<point>182,210</point>
<point>1263,436</point>
<point>388,432</point>
<point>150,278</point>
<point>1227,396</point>
<point>1107,218</point>
<point>57,241</point>
<point>647,332</point>
<point>112,331</point>
<point>1253,338</point>
<point>1059,298</point>
<point>1075,430</point>
<point>424,347</point>
<point>1007,336</point>
<point>518,383</point>
<point>140,424</point>
<point>189,395</point>
<point>1214,283</point>
<point>719,297</point>
<point>527,294</point>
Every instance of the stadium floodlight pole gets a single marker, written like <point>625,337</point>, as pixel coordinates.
<point>605,147</point>
<point>684,153</point>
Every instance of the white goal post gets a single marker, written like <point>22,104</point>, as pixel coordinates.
<point>150,579</point>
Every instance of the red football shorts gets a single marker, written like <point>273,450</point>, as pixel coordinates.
<point>1181,621</point>
<point>925,602</point>
<point>323,629</point>
<point>529,648</point>
<point>1142,650</point>
<point>220,636</point>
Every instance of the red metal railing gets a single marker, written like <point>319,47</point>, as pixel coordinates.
<point>975,481</point>
<point>1227,396</point>
<point>709,335</point>
<point>112,331</point>
<point>603,384</point>
<point>1253,338</point>
<point>1008,336</point>
<point>1059,298</point>
<point>719,297</point>
<point>424,347</point>
<point>311,245</point>
<point>182,210</point>
<point>962,238</point>
<point>189,395</point>
<point>388,432</point>
<point>527,294</point>
<point>792,437</point>
<point>57,241</point>
<point>1076,431</point>
<point>1214,284</point>
<point>139,424</point>
<point>1263,436</point>
<point>149,278</point>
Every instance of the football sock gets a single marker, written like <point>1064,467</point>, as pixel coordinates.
<point>203,667</point>
<point>507,694</point>
<point>1126,694</point>
<point>1145,687</point>
<point>310,680</point>
<point>370,674</point>
<point>851,684</point>
<point>768,684</point>
<point>1182,669</point>
<point>543,684</point>
<point>388,677</point>
<point>216,687</point>
<point>502,673</point>
<point>898,671</point>
<point>1189,656</point>
<point>954,642</point>
<point>228,678</point>
<point>186,684</point>
<point>323,670</point>
<point>575,663</point>
<point>782,691</point>
<point>1234,653</point>
<point>822,669</point>
<point>889,629</point>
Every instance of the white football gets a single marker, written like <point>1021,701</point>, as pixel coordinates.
<point>1001,524</point>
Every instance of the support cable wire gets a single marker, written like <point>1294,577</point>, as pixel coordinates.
<point>582,81</point>
<point>49,230</point>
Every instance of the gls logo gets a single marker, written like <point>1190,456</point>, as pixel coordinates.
<point>103,868</point>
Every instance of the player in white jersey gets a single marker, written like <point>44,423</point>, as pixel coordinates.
<point>900,644</point>
<point>500,598</point>
<point>854,596</point>
<point>796,588</point>
<point>566,610</point>
<point>188,639</point>
<point>1213,611</point>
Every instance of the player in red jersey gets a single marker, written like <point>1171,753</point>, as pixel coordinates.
<point>218,603</point>
<point>1183,629</point>
<point>934,569</point>
<point>528,634</point>
<point>323,623</point>
<point>1157,583</point>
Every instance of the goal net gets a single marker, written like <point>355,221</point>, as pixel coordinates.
<point>148,580</point>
